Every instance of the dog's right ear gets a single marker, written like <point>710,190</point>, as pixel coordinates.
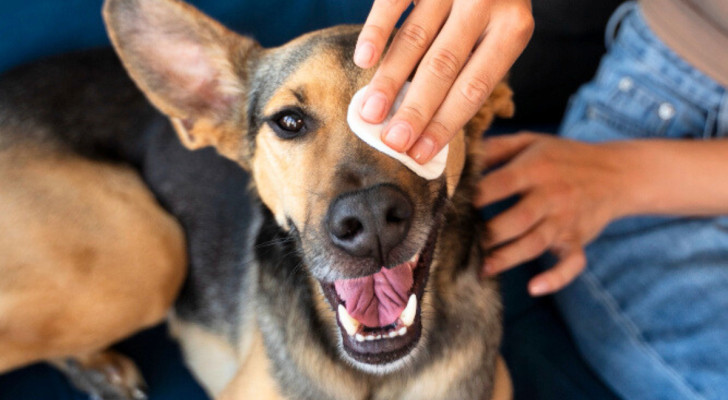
<point>189,66</point>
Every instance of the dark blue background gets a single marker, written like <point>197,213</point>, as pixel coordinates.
<point>30,29</point>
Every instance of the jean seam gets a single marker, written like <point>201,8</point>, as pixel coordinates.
<point>634,334</point>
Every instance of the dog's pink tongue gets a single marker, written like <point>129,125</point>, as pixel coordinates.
<point>377,300</point>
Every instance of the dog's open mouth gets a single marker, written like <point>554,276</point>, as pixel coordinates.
<point>379,315</point>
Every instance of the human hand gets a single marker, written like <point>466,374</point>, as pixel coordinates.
<point>463,47</point>
<point>569,191</point>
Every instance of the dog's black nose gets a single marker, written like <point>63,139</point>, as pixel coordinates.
<point>370,222</point>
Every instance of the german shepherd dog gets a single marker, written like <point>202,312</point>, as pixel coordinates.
<point>302,264</point>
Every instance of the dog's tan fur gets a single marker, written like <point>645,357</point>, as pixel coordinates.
<point>79,233</point>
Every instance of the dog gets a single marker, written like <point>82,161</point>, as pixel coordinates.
<point>249,206</point>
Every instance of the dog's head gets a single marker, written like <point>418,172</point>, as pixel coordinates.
<point>366,225</point>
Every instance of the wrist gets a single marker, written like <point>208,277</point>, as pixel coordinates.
<point>672,177</point>
<point>634,174</point>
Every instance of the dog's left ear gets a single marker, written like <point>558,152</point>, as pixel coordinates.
<point>189,66</point>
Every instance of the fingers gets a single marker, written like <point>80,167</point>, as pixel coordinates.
<point>451,82</point>
<point>556,278</point>
<point>435,76</point>
<point>500,185</point>
<point>500,149</point>
<point>407,48</point>
<point>516,221</point>
<point>525,248</point>
<point>528,248</point>
<point>486,67</point>
<point>376,30</point>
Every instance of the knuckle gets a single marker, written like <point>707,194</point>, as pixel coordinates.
<point>444,64</point>
<point>412,112</point>
<point>439,131</point>
<point>476,91</point>
<point>374,33</point>
<point>520,22</point>
<point>415,36</point>
<point>385,84</point>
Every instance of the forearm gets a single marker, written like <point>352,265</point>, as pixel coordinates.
<point>671,177</point>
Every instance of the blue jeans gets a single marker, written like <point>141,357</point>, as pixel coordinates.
<point>650,313</point>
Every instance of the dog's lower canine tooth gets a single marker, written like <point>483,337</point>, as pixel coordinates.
<point>408,315</point>
<point>402,331</point>
<point>350,324</point>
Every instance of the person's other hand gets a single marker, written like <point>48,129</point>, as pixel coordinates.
<point>463,49</point>
<point>569,191</point>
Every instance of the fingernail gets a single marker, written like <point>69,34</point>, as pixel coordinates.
<point>363,55</point>
<point>373,108</point>
<point>422,150</point>
<point>538,288</point>
<point>398,136</point>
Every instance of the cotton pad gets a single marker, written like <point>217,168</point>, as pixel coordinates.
<point>372,135</point>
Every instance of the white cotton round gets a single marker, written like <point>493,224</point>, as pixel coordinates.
<point>372,135</point>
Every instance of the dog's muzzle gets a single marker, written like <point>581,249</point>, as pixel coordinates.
<point>378,314</point>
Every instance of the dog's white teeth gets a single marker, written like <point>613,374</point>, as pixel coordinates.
<point>350,324</point>
<point>408,315</point>
<point>388,335</point>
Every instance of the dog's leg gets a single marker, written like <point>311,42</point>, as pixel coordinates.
<point>253,380</point>
<point>104,375</point>
<point>209,356</point>
<point>88,256</point>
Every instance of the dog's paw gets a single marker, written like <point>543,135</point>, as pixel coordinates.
<point>105,375</point>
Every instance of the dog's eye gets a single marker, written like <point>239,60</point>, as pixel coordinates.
<point>288,124</point>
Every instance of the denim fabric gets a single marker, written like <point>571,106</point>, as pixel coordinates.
<point>650,313</point>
